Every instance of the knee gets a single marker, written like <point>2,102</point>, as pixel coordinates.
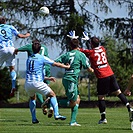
<point>51,94</point>
<point>33,98</point>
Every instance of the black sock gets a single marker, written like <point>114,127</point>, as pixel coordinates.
<point>102,107</point>
<point>124,100</point>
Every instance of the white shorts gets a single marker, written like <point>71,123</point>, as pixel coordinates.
<point>7,56</point>
<point>40,87</point>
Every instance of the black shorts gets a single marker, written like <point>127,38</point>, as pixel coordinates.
<point>107,85</point>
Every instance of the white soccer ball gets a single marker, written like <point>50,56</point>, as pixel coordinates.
<point>44,10</point>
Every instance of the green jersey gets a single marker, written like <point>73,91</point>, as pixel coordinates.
<point>28,48</point>
<point>77,60</point>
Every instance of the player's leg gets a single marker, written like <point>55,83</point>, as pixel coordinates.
<point>41,101</point>
<point>13,76</point>
<point>115,90</point>
<point>39,98</point>
<point>32,105</point>
<point>74,100</point>
<point>44,89</point>
<point>50,111</point>
<point>30,89</point>
<point>102,109</point>
<point>10,62</point>
<point>103,85</point>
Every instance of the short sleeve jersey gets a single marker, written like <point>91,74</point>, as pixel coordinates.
<point>44,51</point>
<point>28,48</point>
<point>34,67</point>
<point>6,34</point>
<point>98,60</point>
<point>77,60</point>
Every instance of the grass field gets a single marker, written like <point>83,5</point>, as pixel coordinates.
<point>18,120</point>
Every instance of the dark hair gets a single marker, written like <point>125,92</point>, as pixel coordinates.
<point>94,41</point>
<point>74,43</point>
<point>2,20</point>
<point>36,46</point>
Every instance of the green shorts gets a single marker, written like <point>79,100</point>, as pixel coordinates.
<point>47,74</point>
<point>71,89</point>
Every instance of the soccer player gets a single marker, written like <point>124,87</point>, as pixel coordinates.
<point>34,80</point>
<point>77,61</point>
<point>7,48</point>
<point>44,51</point>
<point>106,82</point>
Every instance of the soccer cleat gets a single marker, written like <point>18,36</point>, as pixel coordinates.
<point>102,121</point>
<point>131,115</point>
<point>60,117</point>
<point>44,110</point>
<point>75,124</point>
<point>12,92</point>
<point>35,121</point>
<point>50,113</point>
<point>44,106</point>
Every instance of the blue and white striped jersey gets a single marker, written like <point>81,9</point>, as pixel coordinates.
<point>6,34</point>
<point>35,67</point>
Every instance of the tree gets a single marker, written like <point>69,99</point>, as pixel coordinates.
<point>5,84</point>
<point>66,15</point>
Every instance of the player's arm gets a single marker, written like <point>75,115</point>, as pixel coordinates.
<point>67,66</point>
<point>85,51</point>
<point>24,48</point>
<point>90,69</point>
<point>50,78</point>
<point>23,35</point>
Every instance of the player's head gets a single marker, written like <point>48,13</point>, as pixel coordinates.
<point>94,41</point>
<point>74,43</point>
<point>2,20</point>
<point>36,46</point>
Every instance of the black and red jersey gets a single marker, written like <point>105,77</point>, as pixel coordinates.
<point>99,62</point>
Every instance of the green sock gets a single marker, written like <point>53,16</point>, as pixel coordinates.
<point>74,112</point>
<point>39,97</point>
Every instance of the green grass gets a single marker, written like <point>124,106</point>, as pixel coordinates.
<point>18,120</point>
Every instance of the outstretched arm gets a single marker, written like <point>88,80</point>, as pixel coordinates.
<point>67,66</point>
<point>24,35</point>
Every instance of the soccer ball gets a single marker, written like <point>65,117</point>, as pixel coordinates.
<point>44,11</point>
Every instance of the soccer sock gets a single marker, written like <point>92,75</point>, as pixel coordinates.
<point>53,102</point>
<point>32,105</point>
<point>74,112</point>
<point>39,97</point>
<point>13,78</point>
<point>102,108</point>
<point>124,100</point>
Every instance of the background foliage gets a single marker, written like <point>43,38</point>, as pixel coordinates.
<point>78,15</point>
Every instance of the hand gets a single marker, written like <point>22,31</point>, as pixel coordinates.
<point>72,35</point>
<point>52,79</point>
<point>15,51</point>
<point>68,66</point>
<point>127,92</point>
<point>27,34</point>
<point>85,36</point>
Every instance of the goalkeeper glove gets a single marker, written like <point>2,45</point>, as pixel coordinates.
<point>85,36</point>
<point>72,35</point>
